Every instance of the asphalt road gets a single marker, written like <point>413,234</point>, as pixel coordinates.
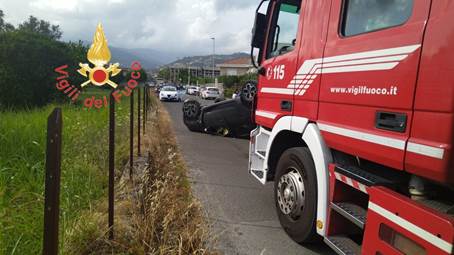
<point>240,209</point>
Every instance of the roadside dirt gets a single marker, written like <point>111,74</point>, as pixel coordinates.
<point>155,212</point>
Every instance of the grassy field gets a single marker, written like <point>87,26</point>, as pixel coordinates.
<point>84,169</point>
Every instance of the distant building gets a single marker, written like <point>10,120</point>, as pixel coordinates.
<point>196,71</point>
<point>236,67</point>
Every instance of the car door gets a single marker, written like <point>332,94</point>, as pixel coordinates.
<point>280,59</point>
<point>369,74</point>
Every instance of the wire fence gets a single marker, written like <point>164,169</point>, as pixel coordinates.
<point>53,164</point>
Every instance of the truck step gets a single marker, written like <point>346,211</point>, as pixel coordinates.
<point>261,153</point>
<point>343,245</point>
<point>363,176</point>
<point>257,173</point>
<point>352,212</point>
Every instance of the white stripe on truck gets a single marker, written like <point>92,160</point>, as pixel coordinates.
<point>422,233</point>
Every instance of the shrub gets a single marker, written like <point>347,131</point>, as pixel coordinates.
<point>27,63</point>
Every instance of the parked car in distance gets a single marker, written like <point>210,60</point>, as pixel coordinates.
<point>210,93</point>
<point>192,90</point>
<point>169,93</point>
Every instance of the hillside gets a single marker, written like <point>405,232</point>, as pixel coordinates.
<point>151,59</point>
<point>148,58</point>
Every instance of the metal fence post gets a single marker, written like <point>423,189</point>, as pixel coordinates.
<point>144,111</point>
<point>131,135</point>
<point>138,122</point>
<point>148,100</point>
<point>52,183</point>
<point>111,164</point>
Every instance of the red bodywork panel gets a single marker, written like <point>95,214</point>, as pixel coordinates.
<point>358,112</point>
<point>434,101</point>
<point>425,226</point>
<point>343,82</point>
<point>269,102</point>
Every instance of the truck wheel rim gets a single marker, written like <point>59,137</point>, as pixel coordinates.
<point>249,91</point>
<point>290,193</point>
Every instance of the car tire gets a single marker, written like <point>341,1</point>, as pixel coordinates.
<point>248,93</point>
<point>191,109</point>
<point>194,125</point>
<point>295,194</point>
<point>191,115</point>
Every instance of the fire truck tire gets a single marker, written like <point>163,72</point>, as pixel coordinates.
<point>295,193</point>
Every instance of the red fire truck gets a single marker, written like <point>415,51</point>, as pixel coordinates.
<point>354,108</point>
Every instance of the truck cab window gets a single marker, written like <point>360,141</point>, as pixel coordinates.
<point>285,28</point>
<point>362,16</point>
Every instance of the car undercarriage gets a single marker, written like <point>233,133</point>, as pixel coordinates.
<point>227,118</point>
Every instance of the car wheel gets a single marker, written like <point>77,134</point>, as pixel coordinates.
<point>191,109</point>
<point>191,115</point>
<point>248,93</point>
<point>295,193</point>
<point>194,125</point>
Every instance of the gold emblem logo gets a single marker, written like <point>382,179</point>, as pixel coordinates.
<point>99,56</point>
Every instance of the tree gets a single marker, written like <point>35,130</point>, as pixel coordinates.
<point>143,75</point>
<point>28,57</point>
<point>34,25</point>
<point>2,21</point>
<point>164,73</point>
<point>4,27</point>
<point>27,63</point>
<point>247,77</point>
<point>229,81</point>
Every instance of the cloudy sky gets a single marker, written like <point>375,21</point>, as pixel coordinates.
<point>181,26</point>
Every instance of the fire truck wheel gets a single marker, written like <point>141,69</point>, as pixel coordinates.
<point>295,194</point>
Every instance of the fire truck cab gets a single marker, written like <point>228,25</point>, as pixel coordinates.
<point>354,111</point>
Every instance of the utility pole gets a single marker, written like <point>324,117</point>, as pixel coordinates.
<point>214,52</point>
<point>189,74</point>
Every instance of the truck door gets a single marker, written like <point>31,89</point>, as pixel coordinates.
<point>280,58</point>
<point>369,74</point>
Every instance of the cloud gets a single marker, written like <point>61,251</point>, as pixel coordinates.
<point>183,26</point>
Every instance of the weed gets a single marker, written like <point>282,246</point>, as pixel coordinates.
<point>22,161</point>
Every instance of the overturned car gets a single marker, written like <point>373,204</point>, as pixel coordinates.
<point>228,118</point>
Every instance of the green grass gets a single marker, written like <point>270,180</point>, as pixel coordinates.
<point>84,169</point>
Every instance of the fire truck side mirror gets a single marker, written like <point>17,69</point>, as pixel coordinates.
<point>259,31</point>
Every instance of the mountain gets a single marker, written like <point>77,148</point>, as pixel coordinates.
<point>152,59</point>
<point>149,59</point>
<point>206,61</point>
